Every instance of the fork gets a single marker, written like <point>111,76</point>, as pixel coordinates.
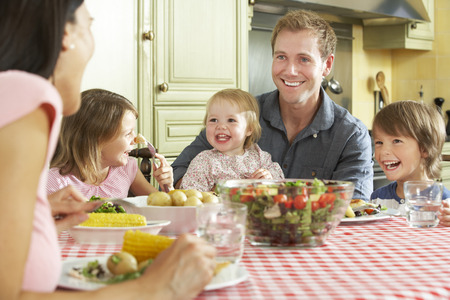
<point>141,139</point>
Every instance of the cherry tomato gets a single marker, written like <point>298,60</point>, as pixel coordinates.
<point>300,201</point>
<point>246,198</point>
<point>234,191</point>
<point>327,198</point>
<point>289,202</point>
<point>259,192</point>
<point>314,205</point>
<point>280,198</point>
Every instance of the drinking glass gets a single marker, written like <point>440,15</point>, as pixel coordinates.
<point>223,225</point>
<point>423,200</point>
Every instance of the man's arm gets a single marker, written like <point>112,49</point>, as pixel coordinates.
<point>183,160</point>
<point>355,164</point>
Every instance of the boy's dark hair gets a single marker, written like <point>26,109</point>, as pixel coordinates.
<point>419,121</point>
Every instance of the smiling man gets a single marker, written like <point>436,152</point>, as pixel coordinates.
<point>302,128</point>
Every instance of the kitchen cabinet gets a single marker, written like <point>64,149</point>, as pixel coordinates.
<point>169,57</point>
<point>417,36</point>
<point>198,48</point>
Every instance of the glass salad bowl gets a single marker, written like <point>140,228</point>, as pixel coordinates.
<point>291,212</point>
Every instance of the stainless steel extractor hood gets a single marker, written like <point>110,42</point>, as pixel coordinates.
<point>371,12</point>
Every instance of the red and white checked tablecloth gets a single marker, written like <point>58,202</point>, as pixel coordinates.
<point>374,260</point>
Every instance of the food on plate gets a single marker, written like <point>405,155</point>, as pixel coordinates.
<point>144,245</point>
<point>93,271</point>
<point>359,207</point>
<point>114,220</point>
<point>220,266</point>
<point>181,198</point>
<point>122,263</point>
<point>349,213</point>
<point>122,266</point>
<point>159,199</point>
<point>107,207</point>
<point>96,272</point>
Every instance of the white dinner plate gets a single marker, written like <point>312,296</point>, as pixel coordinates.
<point>389,213</point>
<point>111,235</point>
<point>228,276</point>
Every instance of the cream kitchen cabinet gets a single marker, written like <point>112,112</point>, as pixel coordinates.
<point>417,36</point>
<point>169,57</point>
<point>195,48</point>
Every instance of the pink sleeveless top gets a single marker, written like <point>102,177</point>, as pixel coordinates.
<point>20,94</point>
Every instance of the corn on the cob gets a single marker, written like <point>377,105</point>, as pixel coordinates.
<point>144,245</point>
<point>114,220</point>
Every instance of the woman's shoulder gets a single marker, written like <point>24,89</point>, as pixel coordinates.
<point>14,81</point>
<point>18,101</point>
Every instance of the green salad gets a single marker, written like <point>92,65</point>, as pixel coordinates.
<point>107,207</point>
<point>290,213</point>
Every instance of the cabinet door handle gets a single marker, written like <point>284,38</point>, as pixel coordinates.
<point>148,35</point>
<point>251,2</point>
<point>164,87</point>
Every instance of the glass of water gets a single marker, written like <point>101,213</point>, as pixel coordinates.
<point>423,200</point>
<point>223,225</point>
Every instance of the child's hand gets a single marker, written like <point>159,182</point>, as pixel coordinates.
<point>261,174</point>
<point>444,217</point>
<point>164,173</point>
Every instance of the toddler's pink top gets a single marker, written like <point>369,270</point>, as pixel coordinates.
<point>116,184</point>
<point>20,94</point>
<point>209,166</point>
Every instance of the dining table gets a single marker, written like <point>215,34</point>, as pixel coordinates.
<point>377,259</point>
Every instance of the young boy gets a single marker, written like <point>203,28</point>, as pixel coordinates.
<point>408,138</point>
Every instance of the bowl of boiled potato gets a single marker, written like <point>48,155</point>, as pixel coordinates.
<point>177,206</point>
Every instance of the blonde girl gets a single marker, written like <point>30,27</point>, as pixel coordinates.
<point>92,153</point>
<point>232,128</point>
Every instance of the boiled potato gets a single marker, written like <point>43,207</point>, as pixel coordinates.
<point>194,193</point>
<point>178,198</point>
<point>159,199</point>
<point>193,201</point>
<point>122,263</point>
<point>209,198</point>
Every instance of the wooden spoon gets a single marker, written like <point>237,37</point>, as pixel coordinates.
<point>380,78</point>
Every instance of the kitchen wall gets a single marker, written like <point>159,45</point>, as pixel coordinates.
<point>410,69</point>
<point>405,70</point>
<point>366,64</point>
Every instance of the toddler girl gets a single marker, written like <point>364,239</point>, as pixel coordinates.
<point>92,152</point>
<point>232,128</point>
<point>408,138</point>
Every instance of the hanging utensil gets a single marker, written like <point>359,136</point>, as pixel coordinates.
<point>380,78</point>
<point>335,86</point>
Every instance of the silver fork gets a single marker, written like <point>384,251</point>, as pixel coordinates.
<point>141,139</point>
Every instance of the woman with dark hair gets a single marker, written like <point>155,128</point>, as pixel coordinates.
<point>46,45</point>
